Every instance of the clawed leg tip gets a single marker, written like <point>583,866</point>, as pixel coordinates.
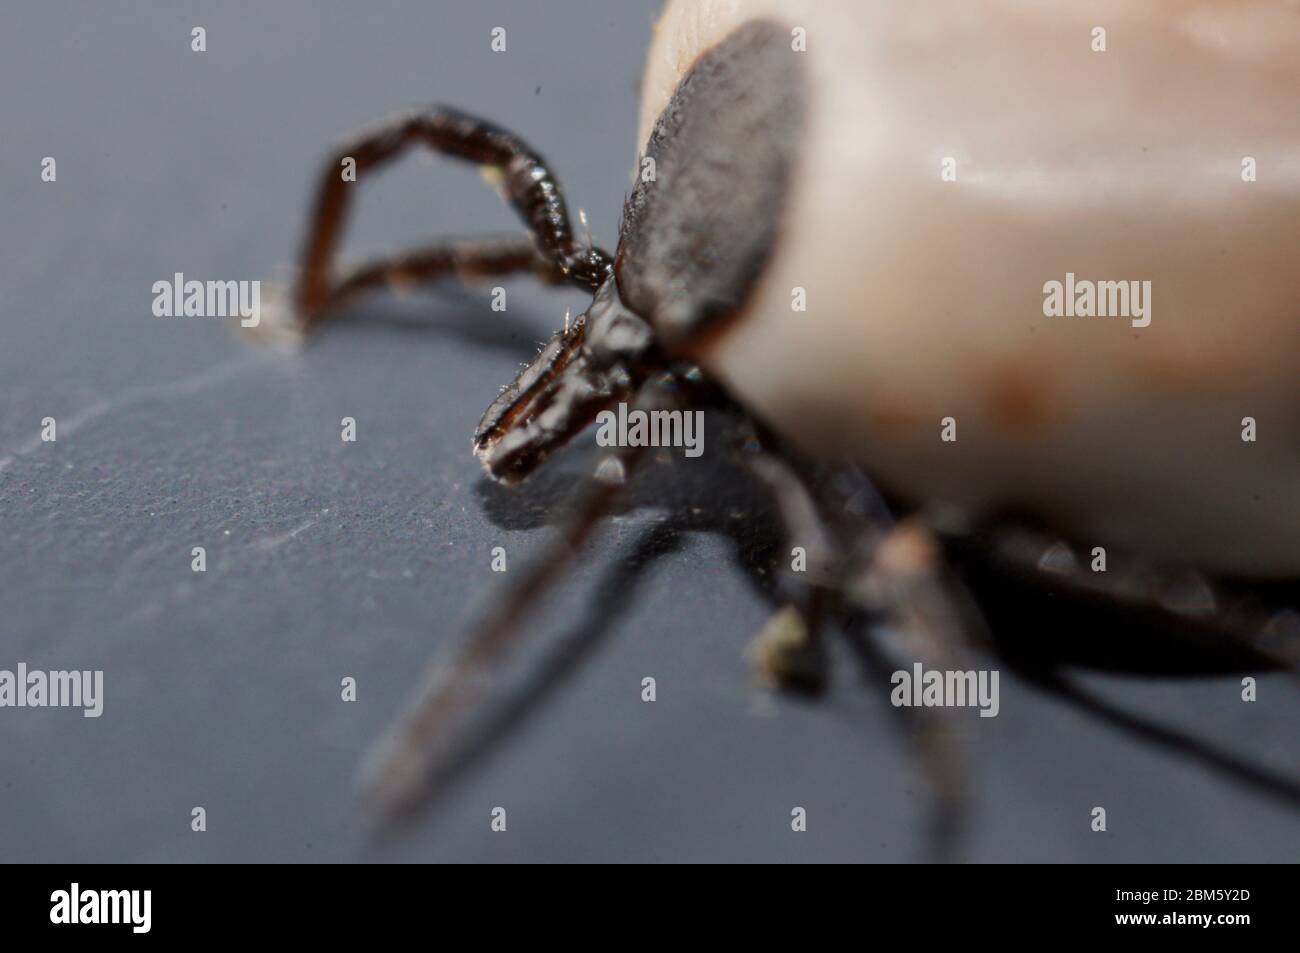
<point>788,657</point>
<point>276,323</point>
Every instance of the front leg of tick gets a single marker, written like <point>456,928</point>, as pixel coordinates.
<point>550,250</point>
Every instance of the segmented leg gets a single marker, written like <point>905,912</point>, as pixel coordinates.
<point>890,575</point>
<point>790,651</point>
<point>1133,611</point>
<point>528,183</point>
<point>1178,607</point>
<point>468,259</point>
<point>399,770</point>
<point>922,615</point>
<point>1223,760</point>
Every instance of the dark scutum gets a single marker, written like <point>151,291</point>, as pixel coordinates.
<point>695,240</point>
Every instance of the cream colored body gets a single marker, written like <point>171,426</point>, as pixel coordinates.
<point>925,297</point>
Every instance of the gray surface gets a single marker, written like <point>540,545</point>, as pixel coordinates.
<point>328,560</point>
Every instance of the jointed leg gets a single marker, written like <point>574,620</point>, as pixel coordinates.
<point>528,184</point>
<point>1181,607</point>
<point>466,259</point>
<point>924,616</point>
<point>879,574</point>
<point>789,650</point>
<point>1175,615</point>
<point>399,770</point>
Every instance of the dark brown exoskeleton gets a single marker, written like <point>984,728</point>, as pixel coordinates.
<point>694,240</point>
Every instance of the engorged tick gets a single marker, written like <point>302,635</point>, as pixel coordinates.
<point>699,236</point>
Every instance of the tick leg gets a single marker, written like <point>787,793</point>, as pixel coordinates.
<point>789,650</point>
<point>889,574</point>
<point>1166,615</point>
<point>425,738</point>
<point>1222,760</point>
<point>528,183</point>
<point>468,259</point>
<point>903,583</point>
<point>1179,607</point>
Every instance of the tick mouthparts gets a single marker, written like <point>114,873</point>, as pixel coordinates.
<point>547,421</point>
<point>585,368</point>
<point>519,400</point>
<point>553,399</point>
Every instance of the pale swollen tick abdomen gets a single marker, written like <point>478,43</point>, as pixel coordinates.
<point>954,158</point>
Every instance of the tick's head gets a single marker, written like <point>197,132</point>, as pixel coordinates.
<point>601,358</point>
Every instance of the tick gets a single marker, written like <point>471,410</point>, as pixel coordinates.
<point>842,229</point>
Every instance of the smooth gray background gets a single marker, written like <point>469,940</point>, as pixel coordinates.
<point>326,560</point>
